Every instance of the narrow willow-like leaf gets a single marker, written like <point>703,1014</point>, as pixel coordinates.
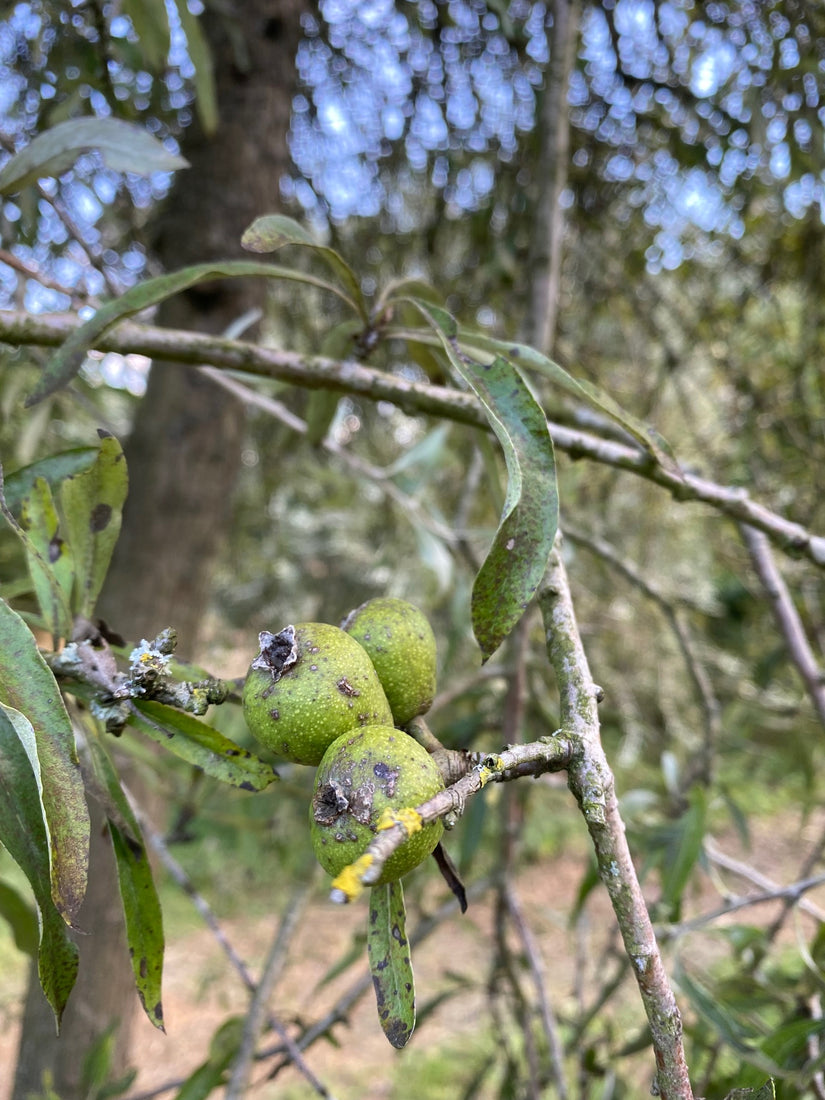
<point>200,744</point>
<point>27,685</point>
<point>724,1024</point>
<point>388,951</point>
<point>272,231</point>
<point>517,559</point>
<point>53,469</point>
<point>141,904</point>
<point>93,505</point>
<point>223,1049</point>
<point>206,96</point>
<point>766,1092</point>
<point>151,25</point>
<point>580,388</point>
<point>69,357</point>
<point>124,147</point>
<point>683,856</point>
<point>38,545</point>
<point>24,836</point>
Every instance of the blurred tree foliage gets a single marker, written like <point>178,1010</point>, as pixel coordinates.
<point>692,292</point>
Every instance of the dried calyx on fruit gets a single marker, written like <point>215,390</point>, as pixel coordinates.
<point>401,645</point>
<point>309,684</point>
<point>363,774</point>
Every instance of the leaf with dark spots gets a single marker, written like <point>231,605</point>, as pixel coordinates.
<point>101,516</point>
<point>517,559</point>
<point>92,503</point>
<point>141,904</point>
<point>390,965</point>
<point>201,745</point>
<point>581,389</point>
<point>398,935</point>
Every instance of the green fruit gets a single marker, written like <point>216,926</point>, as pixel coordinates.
<point>309,684</point>
<point>363,774</point>
<point>401,645</point>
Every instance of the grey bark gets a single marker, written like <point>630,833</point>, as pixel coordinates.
<point>183,456</point>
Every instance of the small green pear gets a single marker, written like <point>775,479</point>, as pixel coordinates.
<point>309,684</point>
<point>401,645</point>
<point>362,774</point>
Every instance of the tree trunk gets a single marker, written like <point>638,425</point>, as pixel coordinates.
<point>544,262</point>
<point>183,456</point>
<point>184,451</point>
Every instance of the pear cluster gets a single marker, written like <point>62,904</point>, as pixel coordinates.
<point>338,698</point>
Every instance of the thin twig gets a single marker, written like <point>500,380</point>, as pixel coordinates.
<point>317,372</point>
<point>258,1009</point>
<point>537,969</point>
<point>794,892</point>
<point>202,905</point>
<point>811,860</point>
<point>786,616</point>
<point>552,753</point>
<point>502,964</point>
<point>591,781</point>
<point>767,885</point>
<point>78,297</point>
<point>408,505</point>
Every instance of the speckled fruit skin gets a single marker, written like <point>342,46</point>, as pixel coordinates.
<point>309,684</point>
<point>361,775</point>
<point>401,645</point>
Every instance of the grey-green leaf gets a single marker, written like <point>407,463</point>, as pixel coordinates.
<point>23,834</point>
<point>141,904</point>
<point>69,357</point>
<point>388,951</point>
<point>27,685</point>
<point>766,1092</point>
<point>151,23</point>
<point>223,1048</point>
<point>517,559</point>
<point>272,231</point>
<point>206,96</point>
<point>201,745</point>
<point>124,147</point>
<point>93,504</point>
<point>686,849</point>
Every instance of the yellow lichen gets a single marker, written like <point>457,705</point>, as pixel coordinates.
<point>350,881</point>
<point>409,820</point>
